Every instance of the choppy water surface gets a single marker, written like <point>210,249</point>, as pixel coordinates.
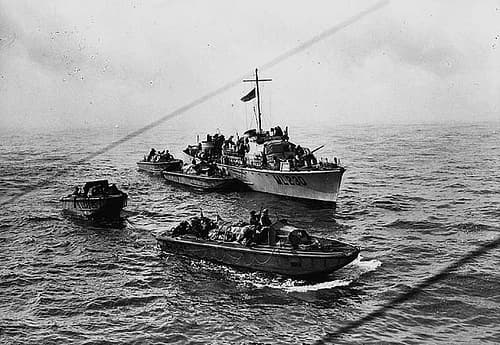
<point>414,198</point>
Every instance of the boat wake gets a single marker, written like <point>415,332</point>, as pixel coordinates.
<point>364,266</point>
<point>344,277</point>
<point>319,286</point>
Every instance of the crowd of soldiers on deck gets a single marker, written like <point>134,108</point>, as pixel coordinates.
<point>203,168</point>
<point>304,157</point>
<point>197,226</point>
<point>220,144</point>
<point>95,190</point>
<point>257,231</point>
<point>278,132</point>
<point>240,147</point>
<point>296,155</point>
<point>158,156</point>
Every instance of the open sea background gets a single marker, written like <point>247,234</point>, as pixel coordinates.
<point>414,198</point>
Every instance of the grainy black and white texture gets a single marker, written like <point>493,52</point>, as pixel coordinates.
<point>405,93</point>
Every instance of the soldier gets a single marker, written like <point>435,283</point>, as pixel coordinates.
<point>152,153</point>
<point>264,218</point>
<point>254,218</point>
<point>299,150</point>
<point>262,234</point>
<point>168,156</point>
<point>229,143</point>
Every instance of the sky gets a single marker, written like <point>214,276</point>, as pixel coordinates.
<point>107,63</point>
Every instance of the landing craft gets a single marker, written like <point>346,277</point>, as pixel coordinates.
<point>285,250</point>
<point>266,161</point>
<point>156,162</point>
<point>98,200</point>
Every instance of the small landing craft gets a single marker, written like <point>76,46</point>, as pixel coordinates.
<point>158,161</point>
<point>202,176</point>
<point>287,250</point>
<point>157,167</point>
<point>98,200</point>
<point>266,161</point>
<point>207,183</point>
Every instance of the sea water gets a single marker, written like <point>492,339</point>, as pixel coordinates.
<point>414,198</point>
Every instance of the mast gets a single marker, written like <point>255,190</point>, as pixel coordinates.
<point>256,80</point>
<point>258,101</point>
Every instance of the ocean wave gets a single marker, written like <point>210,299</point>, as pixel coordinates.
<point>351,214</point>
<point>114,286</point>
<point>43,218</point>
<point>472,227</point>
<point>19,279</point>
<point>414,224</point>
<point>486,191</point>
<point>456,185</point>
<point>109,302</point>
<point>388,205</point>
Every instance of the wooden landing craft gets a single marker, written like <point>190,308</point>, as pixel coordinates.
<point>201,182</point>
<point>157,167</point>
<point>98,200</point>
<point>281,257</point>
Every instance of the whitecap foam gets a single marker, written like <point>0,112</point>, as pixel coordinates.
<point>365,266</point>
<point>292,285</point>
<point>319,286</point>
<point>351,273</point>
<point>259,280</point>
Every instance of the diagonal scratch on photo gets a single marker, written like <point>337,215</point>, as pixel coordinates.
<point>249,172</point>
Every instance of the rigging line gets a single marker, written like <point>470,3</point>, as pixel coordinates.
<point>246,116</point>
<point>280,58</point>
<point>270,97</point>
<point>414,291</point>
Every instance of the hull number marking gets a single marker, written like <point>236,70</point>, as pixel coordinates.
<point>290,180</point>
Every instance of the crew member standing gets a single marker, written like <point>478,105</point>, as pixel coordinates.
<point>264,218</point>
<point>265,223</point>
<point>254,218</point>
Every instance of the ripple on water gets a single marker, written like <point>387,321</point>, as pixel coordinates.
<point>408,207</point>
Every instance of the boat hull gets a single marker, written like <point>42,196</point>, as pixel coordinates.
<point>157,167</point>
<point>200,182</point>
<point>272,259</point>
<point>108,207</point>
<point>321,185</point>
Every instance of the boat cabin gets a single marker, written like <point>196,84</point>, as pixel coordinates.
<point>95,187</point>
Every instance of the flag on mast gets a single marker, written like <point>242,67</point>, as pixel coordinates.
<point>249,96</point>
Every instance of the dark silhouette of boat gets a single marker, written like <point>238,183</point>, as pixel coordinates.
<point>158,167</point>
<point>202,176</point>
<point>289,251</point>
<point>267,161</point>
<point>201,182</point>
<point>157,161</point>
<point>98,200</point>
